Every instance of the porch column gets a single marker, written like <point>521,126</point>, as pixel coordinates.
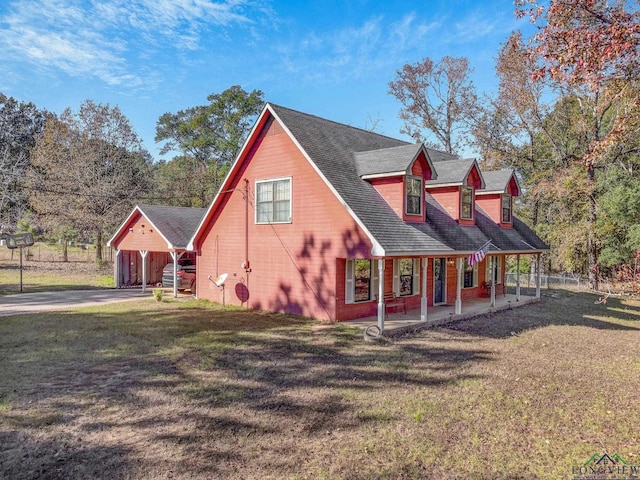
<point>458,305</point>
<point>538,264</point>
<point>117,269</point>
<point>518,278</point>
<point>493,280</point>
<point>143,254</point>
<point>423,301</point>
<point>381,294</point>
<point>175,256</point>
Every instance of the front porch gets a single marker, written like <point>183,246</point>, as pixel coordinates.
<point>399,322</point>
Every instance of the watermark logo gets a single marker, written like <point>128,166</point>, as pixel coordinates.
<point>605,467</point>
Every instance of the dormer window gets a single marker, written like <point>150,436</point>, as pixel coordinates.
<point>506,208</point>
<point>466,203</point>
<point>414,196</point>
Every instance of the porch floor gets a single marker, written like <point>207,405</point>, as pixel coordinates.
<point>398,322</point>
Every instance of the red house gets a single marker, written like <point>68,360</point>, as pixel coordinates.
<point>329,221</point>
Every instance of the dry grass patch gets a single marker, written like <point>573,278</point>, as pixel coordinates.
<point>44,271</point>
<point>190,390</point>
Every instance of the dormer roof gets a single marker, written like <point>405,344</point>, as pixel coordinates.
<point>498,181</point>
<point>454,172</point>
<point>387,162</point>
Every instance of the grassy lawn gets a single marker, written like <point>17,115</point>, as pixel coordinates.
<point>189,390</point>
<point>44,271</point>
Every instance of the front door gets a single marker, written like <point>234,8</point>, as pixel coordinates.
<point>439,280</point>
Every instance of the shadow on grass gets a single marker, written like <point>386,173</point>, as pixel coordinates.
<point>228,373</point>
<point>557,307</point>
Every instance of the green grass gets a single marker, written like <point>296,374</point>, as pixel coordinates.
<point>139,390</point>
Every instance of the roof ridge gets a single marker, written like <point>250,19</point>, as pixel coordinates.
<point>335,122</point>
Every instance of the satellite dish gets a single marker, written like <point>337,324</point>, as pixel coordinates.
<point>221,279</point>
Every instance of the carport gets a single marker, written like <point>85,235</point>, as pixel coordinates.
<point>151,237</point>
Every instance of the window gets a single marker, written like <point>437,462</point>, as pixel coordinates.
<point>498,271</point>
<point>406,276</point>
<point>414,196</point>
<point>466,203</point>
<point>273,201</point>
<point>361,282</point>
<point>470,274</point>
<point>506,208</point>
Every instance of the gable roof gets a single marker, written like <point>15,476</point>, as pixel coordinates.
<point>454,172</point>
<point>389,161</point>
<point>439,156</point>
<point>176,225</point>
<point>497,181</point>
<point>340,154</point>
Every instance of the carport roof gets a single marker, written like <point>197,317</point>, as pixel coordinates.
<point>175,224</point>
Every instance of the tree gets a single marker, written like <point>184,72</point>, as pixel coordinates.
<point>438,97</point>
<point>87,170</point>
<point>20,124</point>
<point>590,47</point>
<point>209,137</point>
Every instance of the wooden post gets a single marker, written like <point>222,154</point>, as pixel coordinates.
<point>116,269</point>
<point>381,294</point>
<point>493,280</point>
<point>518,278</point>
<point>143,254</point>
<point>423,301</point>
<point>538,275</point>
<point>458,305</point>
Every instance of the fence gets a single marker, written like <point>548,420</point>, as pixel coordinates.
<point>549,281</point>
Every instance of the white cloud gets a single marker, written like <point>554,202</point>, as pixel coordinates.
<point>356,51</point>
<point>105,39</point>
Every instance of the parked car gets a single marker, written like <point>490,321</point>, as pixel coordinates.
<point>186,275</point>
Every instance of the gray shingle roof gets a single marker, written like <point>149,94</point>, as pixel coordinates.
<point>497,180</point>
<point>337,150</point>
<point>452,171</point>
<point>438,156</point>
<point>386,160</point>
<point>176,224</point>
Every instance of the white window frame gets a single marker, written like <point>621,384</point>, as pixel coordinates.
<point>350,284</point>
<point>503,198</point>
<point>465,264</point>
<point>471,207</point>
<point>406,195</point>
<point>415,282</point>
<point>273,181</point>
<point>487,274</point>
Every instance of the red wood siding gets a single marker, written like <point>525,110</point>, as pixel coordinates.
<point>491,203</point>
<point>448,198</point>
<point>140,238</point>
<point>293,265</point>
<point>392,190</point>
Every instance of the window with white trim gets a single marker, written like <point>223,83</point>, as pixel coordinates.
<point>466,203</point>
<point>506,208</point>
<point>414,195</point>
<point>273,201</point>
<point>361,280</point>
<point>406,276</point>
<point>469,274</point>
<point>498,269</point>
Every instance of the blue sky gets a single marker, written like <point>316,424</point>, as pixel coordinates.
<point>328,58</point>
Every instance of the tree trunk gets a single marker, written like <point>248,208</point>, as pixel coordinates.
<point>592,247</point>
<point>99,247</point>
<point>65,250</point>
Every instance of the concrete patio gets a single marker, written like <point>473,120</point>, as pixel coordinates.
<point>399,322</point>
